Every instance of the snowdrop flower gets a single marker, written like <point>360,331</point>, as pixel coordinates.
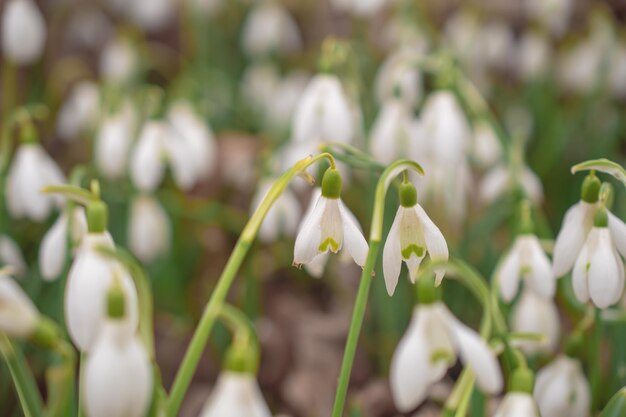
<point>117,378</point>
<point>11,255</point>
<point>89,280</point>
<point>236,394</point>
<point>150,15</point>
<point>533,54</point>
<point>486,147</point>
<point>147,166</point>
<point>617,71</point>
<point>363,8</point>
<point>32,170</point>
<point>599,271</point>
<point>18,314</point>
<point>400,76</point>
<point>430,347</point>
<point>411,236</point>
<point>517,404</point>
<point>562,390</point>
<point>270,28</point>
<point>79,111</point>
<point>113,142</point>
<point>148,229</point>
<point>500,179</point>
<point>539,315</point>
<point>553,14</point>
<point>392,134</point>
<point>23,32</point>
<point>283,217</point>
<point>118,61</point>
<point>330,226</point>
<point>52,252</point>
<point>323,113</point>
<point>526,260</point>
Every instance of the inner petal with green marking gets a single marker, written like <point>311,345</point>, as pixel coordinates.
<point>332,230</point>
<point>329,244</point>
<point>412,249</point>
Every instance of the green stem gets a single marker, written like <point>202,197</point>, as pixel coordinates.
<point>25,384</point>
<point>358,313</point>
<point>595,374</point>
<point>215,303</point>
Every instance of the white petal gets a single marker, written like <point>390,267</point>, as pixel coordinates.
<point>308,240</point>
<point>493,184</point>
<point>18,314</point>
<point>517,404</point>
<point>52,251</point>
<point>236,395</point>
<point>11,254</point>
<point>113,142</point>
<point>392,256</point>
<point>181,159</point>
<point>146,167</point>
<point>317,266</point>
<point>561,389</point>
<point>23,32</point>
<point>605,274</point>
<point>571,237</point>
<point>538,315</point>
<point>618,233</point>
<point>353,239</point>
<point>508,274</point>
<point>540,277</point>
<point>435,242</point>
<point>149,229</point>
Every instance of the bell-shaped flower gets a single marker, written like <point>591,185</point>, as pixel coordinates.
<point>329,227</point>
<point>553,14</point>
<point>148,229</point>
<point>236,394</point>
<point>537,315</point>
<point>18,314</point>
<point>32,169</point>
<point>412,235</point>
<point>88,281</point>
<point>526,259</point>
<point>113,141</point>
<point>517,404</point>
<point>392,135</point>
<point>269,28</point>
<point>562,390</point>
<point>151,15</point>
<point>284,216</point>
<point>399,77</point>
<point>23,32</point>
<point>323,113</point>
<point>500,179</point>
<point>118,62</point>
<point>599,271</point>
<point>79,111</point>
<point>577,224</point>
<point>53,249</point>
<point>147,163</point>
<point>533,56</point>
<point>11,255</point>
<point>117,379</point>
<point>430,347</point>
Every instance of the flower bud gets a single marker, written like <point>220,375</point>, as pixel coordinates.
<point>590,189</point>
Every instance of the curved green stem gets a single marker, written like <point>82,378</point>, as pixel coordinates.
<point>240,325</point>
<point>358,313</point>
<point>215,303</point>
<point>602,165</point>
<point>78,194</point>
<point>25,384</point>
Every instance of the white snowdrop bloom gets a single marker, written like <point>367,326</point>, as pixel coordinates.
<point>88,282</point>
<point>562,390</point>
<point>149,229</point>
<point>526,259</point>
<point>11,255</point>
<point>18,314</point>
<point>553,14</point>
<point>118,61</point>
<point>329,227</point>
<point>392,135</point>
<point>23,32</point>
<point>444,124</point>
<point>533,56</point>
<point>363,8</point>
<point>617,71</point>
<point>113,141</point>
<point>400,75</point>
<point>599,271</point>
<point>577,224</point>
<point>462,31</point>
<point>147,163</point>
<point>411,236</point>
<point>270,28</point>
<point>323,113</point>
<point>151,15</point>
<point>497,40</point>
<point>282,218</point>
<point>236,395</point>
<point>53,248</point>
<point>197,137</point>
<point>117,379</point>
<point>429,347</point>
<point>517,404</point>
<point>32,169</point>
<point>579,68</point>
<point>500,179</point>
<point>539,315</point>
<point>79,112</point>
<point>317,266</point>
<point>486,148</point>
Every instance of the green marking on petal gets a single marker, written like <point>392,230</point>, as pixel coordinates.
<point>412,248</point>
<point>329,243</point>
<point>442,355</point>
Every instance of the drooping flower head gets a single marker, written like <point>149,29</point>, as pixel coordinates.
<point>23,32</point>
<point>519,402</point>
<point>562,390</point>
